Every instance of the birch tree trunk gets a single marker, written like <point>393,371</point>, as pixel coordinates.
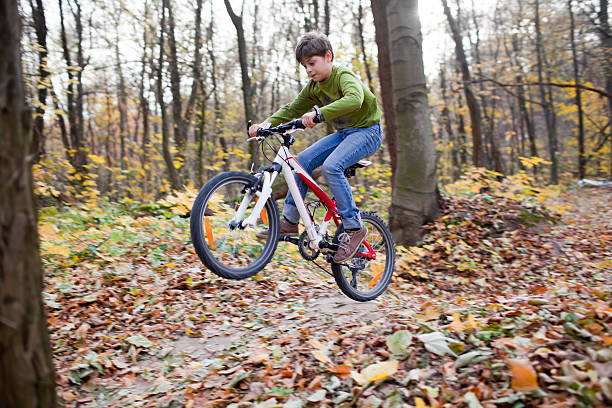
<point>414,197</point>
<point>27,375</point>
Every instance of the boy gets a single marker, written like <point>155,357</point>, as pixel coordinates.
<point>352,108</point>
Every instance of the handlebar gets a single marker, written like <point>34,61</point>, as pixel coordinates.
<point>293,125</point>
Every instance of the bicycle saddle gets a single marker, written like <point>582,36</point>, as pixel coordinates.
<point>350,171</point>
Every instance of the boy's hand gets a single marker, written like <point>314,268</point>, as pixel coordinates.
<point>308,119</point>
<point>253,129</point>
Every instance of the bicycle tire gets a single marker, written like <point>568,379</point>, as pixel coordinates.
<point>385,260</point>
<point>210,238</point>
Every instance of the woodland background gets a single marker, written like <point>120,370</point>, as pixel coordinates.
<point>119,116</point>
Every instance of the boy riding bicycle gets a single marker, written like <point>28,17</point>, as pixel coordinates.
<point>352,108</point>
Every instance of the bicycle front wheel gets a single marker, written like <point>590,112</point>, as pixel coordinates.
<point>227,250</point>
<point>367,274</point>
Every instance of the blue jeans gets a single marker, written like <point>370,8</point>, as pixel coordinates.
<point>335,153</point>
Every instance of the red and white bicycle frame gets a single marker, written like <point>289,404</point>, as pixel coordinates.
<point>289,167</point>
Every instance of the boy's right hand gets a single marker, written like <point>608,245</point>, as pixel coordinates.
<point>254,128</point>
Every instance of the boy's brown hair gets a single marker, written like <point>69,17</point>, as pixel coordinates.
<point>312,43</point>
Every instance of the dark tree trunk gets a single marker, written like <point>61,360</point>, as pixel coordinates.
<point>75,147</point>
<point>122,103</point>
<point>463,154</point>
<point>527,125</point>
<point>546,100</point>
<point>172,173</point>
<point>327,18</point>
<point>217,103</point>
<point>40,26</point>
<point>581,155</point>
<point>197,63</point>
<point>473,106</point>
<point>366,63</point>
<point>605,35</point>
<point>145,157</point>
<point>386,85</point>
<point>26,367</point>
<point>247,89</point>
<point>446,123</point>
<point>180,127</point>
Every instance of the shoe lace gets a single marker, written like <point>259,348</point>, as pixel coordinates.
<point>344,240</point>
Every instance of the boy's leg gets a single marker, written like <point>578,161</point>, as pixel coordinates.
<point>311,158</point>
<point>357,144</point>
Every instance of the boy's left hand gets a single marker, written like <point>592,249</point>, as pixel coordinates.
<point>308,119</point>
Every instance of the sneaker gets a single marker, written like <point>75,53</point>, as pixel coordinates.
<point>286,228</point>
<point>349,243</point>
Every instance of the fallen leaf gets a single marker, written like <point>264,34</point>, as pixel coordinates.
<point>376,372</point>
<point>524,377</point>
<point>321,357</point>
<point>436,343</point>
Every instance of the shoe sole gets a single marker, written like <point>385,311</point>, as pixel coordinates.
<point>355,251</point>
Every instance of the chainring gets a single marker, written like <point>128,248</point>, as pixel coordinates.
<point>303,245</point>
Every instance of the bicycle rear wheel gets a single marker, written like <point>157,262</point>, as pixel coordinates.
<point>228,251</point>
<point>367,274</point>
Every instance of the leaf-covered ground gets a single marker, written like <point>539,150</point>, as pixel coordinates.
<point>504,304</point>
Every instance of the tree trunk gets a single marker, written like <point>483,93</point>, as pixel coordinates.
<point>327,18</point>
<point>40,26</point>
<point>386,85</point>
<point>180,128</point>
<point>546,100</point>
<point>218,133</point>
<point>581,155</point>
<point>526,120</point>
<point>172,173</point>
<point>247,89</point>
<point>145,158</point>
<point>414,197</point>
<point>76,150</point>
<point>605,36</point>
<point>121,102</point>
<point>463,156</point>
<point>26,367</point>
<point>366,64</point>
<point>446,123</point>
<point>473,106</point>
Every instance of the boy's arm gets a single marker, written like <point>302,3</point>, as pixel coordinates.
<point>351,100</point>
<point>300,105</point>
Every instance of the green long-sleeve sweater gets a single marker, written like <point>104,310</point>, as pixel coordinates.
<point>344,100</point>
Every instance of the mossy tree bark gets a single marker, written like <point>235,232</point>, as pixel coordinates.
<point>27,376</point>
<point>414,198</point>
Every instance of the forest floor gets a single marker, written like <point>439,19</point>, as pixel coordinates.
<point>502,305</point>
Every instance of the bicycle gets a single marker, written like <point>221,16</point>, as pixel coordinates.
<point>233,206</point>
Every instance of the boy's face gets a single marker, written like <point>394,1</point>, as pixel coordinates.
<point>318,67</point>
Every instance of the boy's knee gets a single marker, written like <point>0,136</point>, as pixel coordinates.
<point>330,169</point>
